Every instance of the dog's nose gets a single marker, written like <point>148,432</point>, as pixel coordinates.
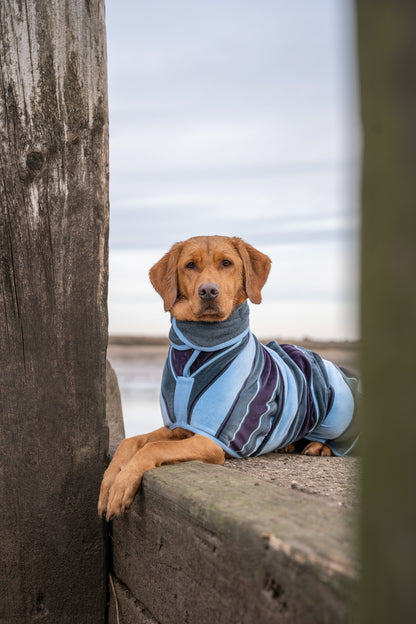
<point>208,291</point>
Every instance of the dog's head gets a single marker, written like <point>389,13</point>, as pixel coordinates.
<point>204,278</point>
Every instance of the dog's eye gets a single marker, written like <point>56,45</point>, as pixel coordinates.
<point>190,265</point>
<point>226,263</point>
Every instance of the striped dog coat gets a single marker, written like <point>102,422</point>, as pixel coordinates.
<point>221,382</point>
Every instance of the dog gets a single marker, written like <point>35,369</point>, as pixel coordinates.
<point>223,393</point>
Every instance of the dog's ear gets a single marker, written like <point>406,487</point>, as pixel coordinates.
<point>256,268</point>
<point>164,277</point>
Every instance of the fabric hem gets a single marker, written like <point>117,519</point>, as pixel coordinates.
<point>189,427</point>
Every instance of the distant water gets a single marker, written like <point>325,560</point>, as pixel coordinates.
<point>139,373</point>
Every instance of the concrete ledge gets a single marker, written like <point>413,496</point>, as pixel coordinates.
<point>203,545</point>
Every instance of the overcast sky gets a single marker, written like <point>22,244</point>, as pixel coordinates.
<point>236,118</point>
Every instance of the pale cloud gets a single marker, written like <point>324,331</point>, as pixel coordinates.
<point>236,118</point>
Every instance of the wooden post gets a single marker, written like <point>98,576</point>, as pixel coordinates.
<point>53,290</point>
<point>387,53</point>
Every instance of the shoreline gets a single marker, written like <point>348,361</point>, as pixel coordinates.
<point>308,343</point>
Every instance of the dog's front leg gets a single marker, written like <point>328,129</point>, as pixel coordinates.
<point>124,453</point>
<point>155,454</point>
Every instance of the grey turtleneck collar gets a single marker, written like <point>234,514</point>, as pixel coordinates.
<point>206,336</point>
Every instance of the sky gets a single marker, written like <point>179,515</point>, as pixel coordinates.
<point>236,118</point>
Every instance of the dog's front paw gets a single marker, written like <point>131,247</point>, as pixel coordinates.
<point>122,492</point>
<point>108,480</point>
<point>317,448</point>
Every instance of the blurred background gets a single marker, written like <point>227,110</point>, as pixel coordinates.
<point>236,118</point>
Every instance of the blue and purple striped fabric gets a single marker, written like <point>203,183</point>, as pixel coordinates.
<point>221,382</point>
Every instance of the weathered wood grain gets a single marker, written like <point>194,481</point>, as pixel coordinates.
<point>53,290</point>
<point>202,544</point>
